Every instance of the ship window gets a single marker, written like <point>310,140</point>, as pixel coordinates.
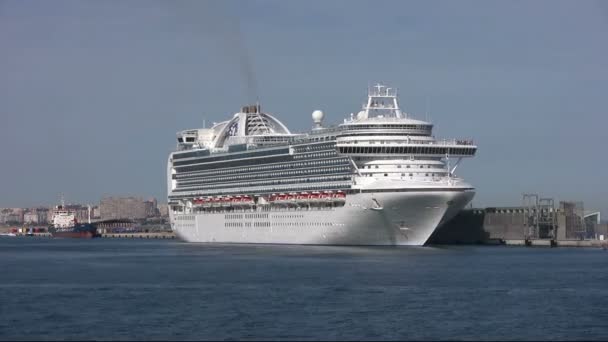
<point>386,175</point>
<point>376,166</point>
<point>398,166</point>
<point>411,174</point>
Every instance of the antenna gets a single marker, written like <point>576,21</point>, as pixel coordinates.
<point>204,125</point>
<point>428,105</point>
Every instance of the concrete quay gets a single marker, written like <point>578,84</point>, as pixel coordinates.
<point>522,226</point>
<point>556,243</point>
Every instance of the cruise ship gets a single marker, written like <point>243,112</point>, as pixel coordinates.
<point>378,178</point>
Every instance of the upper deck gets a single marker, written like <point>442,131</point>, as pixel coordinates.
<point>380,122</point>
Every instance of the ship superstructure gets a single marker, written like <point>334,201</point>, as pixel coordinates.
<point>64,224</point>
<point>378,178</point>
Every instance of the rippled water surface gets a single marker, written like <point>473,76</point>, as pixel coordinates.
<point>164,289</point>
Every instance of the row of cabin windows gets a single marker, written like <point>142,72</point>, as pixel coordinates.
<point>230,163</point>
<point>316,155</point>
<point>238,155</point>
<point>403,174</point>
<point>262,167</point>
<point>387,142</point>
<point>304,224</point>
<point>385,134</point>
<point>246,224</point>
<point>277,188</point>
<point>389,126</point>
<point>245,176</point>
<point>247,162</point>
<point>268,182</point>
<point>288,216</point>
<point>438,150</point>
<point>314,139</point>
<point>256,216</point>
<point>406,166</point>
<point>277,224</point>
<point>188,139</point>
<point>319,147</point>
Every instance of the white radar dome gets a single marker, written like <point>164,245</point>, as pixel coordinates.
<point>361,115</point>
<point>317,116</point>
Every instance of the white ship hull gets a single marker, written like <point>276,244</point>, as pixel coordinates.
<point>393,218</point>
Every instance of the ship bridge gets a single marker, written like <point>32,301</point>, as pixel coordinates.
<point>383,141</point>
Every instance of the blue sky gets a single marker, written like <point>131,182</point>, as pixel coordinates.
<point>92,92</point>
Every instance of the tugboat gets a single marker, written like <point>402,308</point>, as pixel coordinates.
<point>66,225</point>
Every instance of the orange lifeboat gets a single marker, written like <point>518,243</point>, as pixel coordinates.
<point>227,201</point>
<point>339,196</point>
<point>302,197</point>
<point>247,200</point>
<point>315,196</point>
<point>280,198</point>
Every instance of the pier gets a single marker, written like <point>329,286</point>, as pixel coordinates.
<point>556,243</point>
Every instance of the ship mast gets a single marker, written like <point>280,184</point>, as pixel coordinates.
<point>382,102</point>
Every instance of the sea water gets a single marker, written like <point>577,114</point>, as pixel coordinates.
<point>126,289</point>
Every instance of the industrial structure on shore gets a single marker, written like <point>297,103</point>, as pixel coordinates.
<point>536,219</point>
